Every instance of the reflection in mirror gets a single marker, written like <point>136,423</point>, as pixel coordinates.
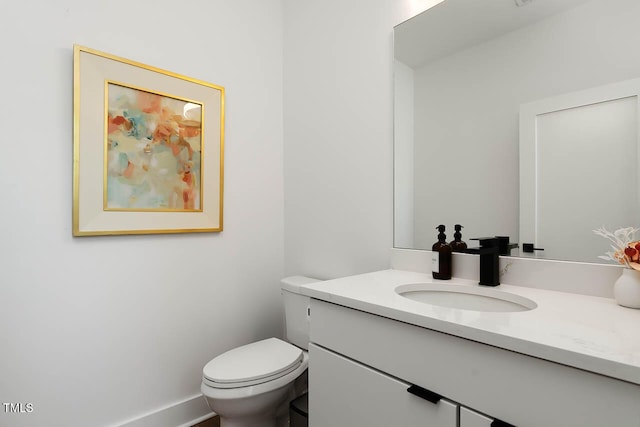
<point>575,147</point>
<point>464,69</point>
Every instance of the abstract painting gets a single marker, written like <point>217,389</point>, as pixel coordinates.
<point>153,151</point>
<point>148,149</point>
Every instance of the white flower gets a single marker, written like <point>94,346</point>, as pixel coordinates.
<point>620,239</point>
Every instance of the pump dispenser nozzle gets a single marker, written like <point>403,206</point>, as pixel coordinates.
<point>457,243</point>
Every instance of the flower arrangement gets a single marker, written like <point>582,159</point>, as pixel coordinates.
<point>625,250</point>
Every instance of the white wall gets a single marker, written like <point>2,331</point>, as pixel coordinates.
<point>403,117</point>
<point>338,134</point>
<point>98,330</point>
<point>468,105</point>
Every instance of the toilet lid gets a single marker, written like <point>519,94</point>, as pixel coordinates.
<point>253,363</point>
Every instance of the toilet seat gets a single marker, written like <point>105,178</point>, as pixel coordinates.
<point>224,394</point>
<point>252,364</point>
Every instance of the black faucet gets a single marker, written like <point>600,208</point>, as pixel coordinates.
<point>490,250</point>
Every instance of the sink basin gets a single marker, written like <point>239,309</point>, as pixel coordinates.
<point>465,297</point>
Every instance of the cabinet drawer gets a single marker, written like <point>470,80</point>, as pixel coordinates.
<point>344,393</point>
<point>469,418</point>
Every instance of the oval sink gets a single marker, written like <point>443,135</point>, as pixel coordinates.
<point>465,297</point>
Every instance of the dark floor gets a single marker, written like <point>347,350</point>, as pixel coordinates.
<point>211,422</point>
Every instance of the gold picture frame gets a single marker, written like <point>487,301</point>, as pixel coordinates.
<point>148,149</point>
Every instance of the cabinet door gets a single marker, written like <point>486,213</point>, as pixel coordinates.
<point>469,418</point>
<point>344,393</point>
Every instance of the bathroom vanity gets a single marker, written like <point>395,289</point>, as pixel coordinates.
<point>547,358</point>
<point>380,358</point>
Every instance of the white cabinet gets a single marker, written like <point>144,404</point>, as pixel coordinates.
<point>346,393</point>
<point>469,418</point>
<point>518,389</point>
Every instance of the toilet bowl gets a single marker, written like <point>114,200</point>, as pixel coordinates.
<point>247,385</point>
<point>251,385</point>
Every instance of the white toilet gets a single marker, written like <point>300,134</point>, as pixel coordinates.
<point>250,386</point>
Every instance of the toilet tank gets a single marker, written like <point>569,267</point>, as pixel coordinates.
<point>296,310</point>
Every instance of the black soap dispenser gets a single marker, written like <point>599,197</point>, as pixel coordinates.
<point>441,256</point>
<point>457,243</point>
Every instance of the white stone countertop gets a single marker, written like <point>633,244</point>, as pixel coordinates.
<point>590,333</point>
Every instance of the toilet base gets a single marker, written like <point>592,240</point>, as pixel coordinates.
<point>248,422</point>
<point>279,418</point>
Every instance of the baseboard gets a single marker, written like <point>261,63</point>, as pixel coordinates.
<point>187,413</point>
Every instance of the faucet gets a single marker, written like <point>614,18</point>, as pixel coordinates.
<point>490,250</point>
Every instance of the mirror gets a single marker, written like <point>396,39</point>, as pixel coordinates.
<point>518,118</point>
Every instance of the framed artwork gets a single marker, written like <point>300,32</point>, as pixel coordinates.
<point>148,149</point>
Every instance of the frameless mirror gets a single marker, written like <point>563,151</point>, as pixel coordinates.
<point>518,118</point>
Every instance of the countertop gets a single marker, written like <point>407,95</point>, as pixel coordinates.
<point>590,333</point>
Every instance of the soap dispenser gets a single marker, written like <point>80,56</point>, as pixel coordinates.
<point>457,243</point>
<point>441,256</point>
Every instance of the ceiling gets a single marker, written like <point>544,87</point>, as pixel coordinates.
<point>456,24</point>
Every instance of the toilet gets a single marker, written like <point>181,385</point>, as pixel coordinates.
<point>251,385</point>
